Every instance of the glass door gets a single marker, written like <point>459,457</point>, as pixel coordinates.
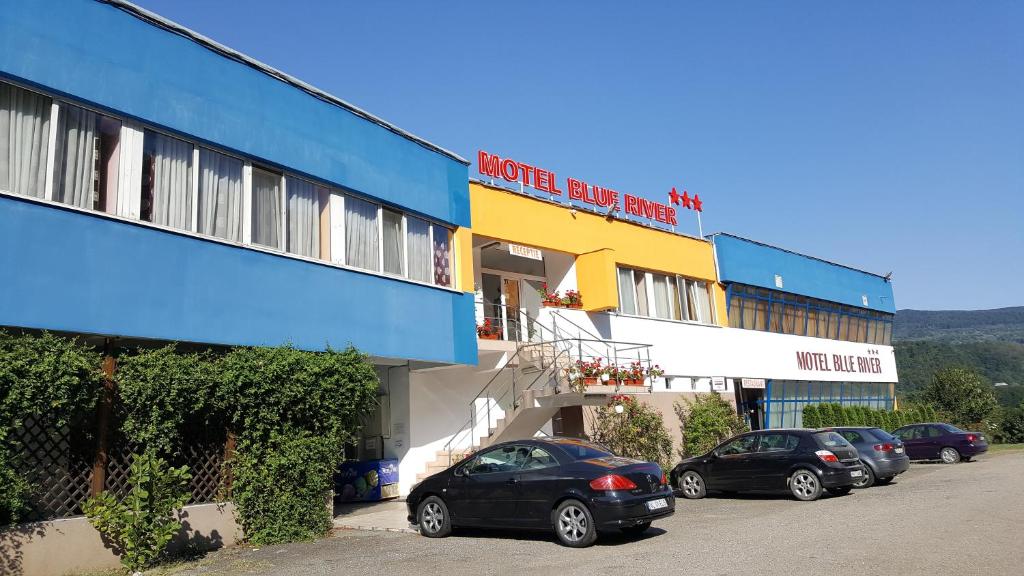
<point>512,304</point>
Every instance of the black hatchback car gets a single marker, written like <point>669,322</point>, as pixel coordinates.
<point>803,462</point>
<point>571,486</point>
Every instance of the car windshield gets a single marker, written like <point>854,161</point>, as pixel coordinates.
<point>883,435</point>
<point>951,428</point>
<point>830,439</point>
<point>583,450</point>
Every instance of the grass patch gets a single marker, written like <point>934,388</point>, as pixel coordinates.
<point>1005,447</point>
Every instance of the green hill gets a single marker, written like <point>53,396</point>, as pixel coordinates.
<point>991,342</point>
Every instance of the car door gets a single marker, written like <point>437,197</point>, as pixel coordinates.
<point>933,441</point>
<point>730,467</point>
<point>912,441</point>
<point>484,493</point>
<point>770,463</point>
<point>538,484</point>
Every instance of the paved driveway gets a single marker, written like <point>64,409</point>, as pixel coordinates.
<point>936,519</point>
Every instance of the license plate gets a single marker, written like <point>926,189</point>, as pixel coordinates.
<point>657,504</point>
<point>899,450</point>
<point>856,473</point>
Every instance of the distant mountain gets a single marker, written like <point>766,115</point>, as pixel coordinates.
<point>1006,324</point>
<point>991,342</point>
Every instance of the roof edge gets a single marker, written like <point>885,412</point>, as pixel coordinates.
<point>230,53</point>
<point>766,245</point>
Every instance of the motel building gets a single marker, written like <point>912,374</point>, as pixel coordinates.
<point>159,187</point>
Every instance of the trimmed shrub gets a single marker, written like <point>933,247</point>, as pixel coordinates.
<point>812,416</point>
<point>705,422</point>
<point>638,432</point>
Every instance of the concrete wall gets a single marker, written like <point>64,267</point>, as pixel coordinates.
<point>72,545</point>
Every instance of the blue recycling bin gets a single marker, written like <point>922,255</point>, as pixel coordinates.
<point>366,480</point>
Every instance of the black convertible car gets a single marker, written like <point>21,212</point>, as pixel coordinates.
<point>801,461</point>
<point>571,486</point>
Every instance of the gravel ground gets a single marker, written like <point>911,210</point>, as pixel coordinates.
<point>935,519</point>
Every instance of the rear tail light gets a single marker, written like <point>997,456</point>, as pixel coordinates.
<point>827,456</point>
<point>971,437</point>
<point>883,447</point>
<point>613,482</point>
<point>664,479</point>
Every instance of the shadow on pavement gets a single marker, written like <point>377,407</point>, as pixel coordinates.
<point>603,538</point>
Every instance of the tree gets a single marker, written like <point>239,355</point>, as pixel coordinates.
<point>1011,425</point>
<point>960,396</point>
<point>706,421</point>
<point>638,431</point>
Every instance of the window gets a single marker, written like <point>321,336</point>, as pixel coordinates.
<point>662,304</point>
<point>583,450</point>
<point>538,459</point>
<point>394,247</point>
<point>303,217</point>
<point>86,160</point>
<point>504,459</point>
<point>220,195</point>
<point>24,140</point>
<point>777,442</point>
<point>627,299</point>
<point>442,255</point>
<point>361,238</point>
<point>166,181</point>
<point>741,445</point>
<point>640,288</point>
<point>830,440</point>
<point>418,242</point>
<point>266,208</point>
<point>853,437</point>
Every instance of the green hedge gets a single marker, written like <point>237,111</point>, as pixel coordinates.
<point>830,414</point>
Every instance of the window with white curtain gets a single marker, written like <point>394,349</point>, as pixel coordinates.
<point>220,195</point>
<point>662,303</point>
<point>361,237</point>
<point>394,244</point>
<point>674,297</point>
<point>640,282</point>
<point>266,208</point>
<point>24,140</point>
<point>166,181</point>
<point>627,297</point>
<point>699,300</point>
<point>418,243</point>
<point>303,217</point>
<point>442,255</point>
<point>86,160</point>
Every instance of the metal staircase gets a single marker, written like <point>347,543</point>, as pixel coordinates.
<point>534,383</point>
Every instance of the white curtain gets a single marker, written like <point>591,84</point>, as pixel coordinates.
<point>76,154</point>
<point>442,257</point>
<point>171,163</point>
<point>418,237</point>
<point>699,295</point>
<point>394,249</point>
<point>303,217</point>
<point>661,305</point>
<point>24,135</point>
<point>361,242</point>
<point>220,195</point>
<point>627,303</point>
<point>266,209</point>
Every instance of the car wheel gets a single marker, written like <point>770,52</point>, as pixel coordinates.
<point>805,485</point>
<point>867,480</point>
<point>433,518</point>
<point>840,491</point>
<point>636,530</point>
<point>691,484</point>
<point>949,455</point>
<point>574,525</point>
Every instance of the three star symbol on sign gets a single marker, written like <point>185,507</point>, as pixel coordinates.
<point>694,203</point>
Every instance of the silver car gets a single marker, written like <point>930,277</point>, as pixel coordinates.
<point>883,454</point>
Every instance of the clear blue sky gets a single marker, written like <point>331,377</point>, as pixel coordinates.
<point>884,135</point>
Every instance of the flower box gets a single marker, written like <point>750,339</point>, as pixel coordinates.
<point>632,382</point>
<point>591,381</point>
<point>488,336</point>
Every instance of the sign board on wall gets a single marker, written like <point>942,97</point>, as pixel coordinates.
<point>525,252</point>
<point>753,383</point>
<point>718,383</point>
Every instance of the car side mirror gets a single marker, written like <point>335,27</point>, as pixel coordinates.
<point>461,472</point>
<point>713,455</point>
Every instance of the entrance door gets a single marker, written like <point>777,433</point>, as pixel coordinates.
<point>750,404</point>
<point>512,303</point>
<point>531,299</point>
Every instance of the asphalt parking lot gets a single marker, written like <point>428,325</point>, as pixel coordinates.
<point>935,519</point>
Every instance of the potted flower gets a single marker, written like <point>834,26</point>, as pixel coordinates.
<point>655,372</point>
<point>572,299</point>
<point>590,373</point>
<point>549,298</point>
<point>487,330</point>
<point>632,375</point>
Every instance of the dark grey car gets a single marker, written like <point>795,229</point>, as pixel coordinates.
<point>883,454</point>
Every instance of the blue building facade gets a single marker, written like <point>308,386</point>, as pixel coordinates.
<point>836,320</point>
<point>156,185</point>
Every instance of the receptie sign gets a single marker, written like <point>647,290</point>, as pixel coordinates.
<point>525,252</point>
<point>752,383</point>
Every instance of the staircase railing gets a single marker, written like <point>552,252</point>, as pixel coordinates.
<point>558,351</point>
